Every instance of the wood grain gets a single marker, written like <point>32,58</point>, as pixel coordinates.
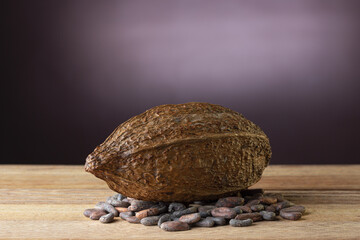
<point>46,202</point>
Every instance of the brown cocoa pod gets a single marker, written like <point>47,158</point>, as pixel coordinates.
<point>152,156</point>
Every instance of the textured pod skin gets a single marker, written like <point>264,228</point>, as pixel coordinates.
<point>183,152</point>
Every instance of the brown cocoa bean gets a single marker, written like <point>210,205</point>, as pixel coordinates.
<point>147,213</point>
<point>205,222</point>
<point>270,208</point>
<point>178,214</point>
<point>278,196</point>
<point>125,215</point>
<point>253,216</point>
<point>245,209</point>
<point>89,211</point>
<point>268,200</point>
<point>119,197</point>
<point>224,212</point>
<point>269,216</point>
<point>280,205</point>
<point>240,223</point>
<point>238,209</point>
<point>107,207</point>
<point>205,210</point>
<point>290,215</point>
<point>161,206</point>
<point>229,202</point>
<point>257,207</point>
<point>220,221</point>
<point>190,218</point>
<point>138,205</point>
<point>176,207</point>
<point>164,218</point>
<point>252,202</point>
<point>108,218</point>
<point>122,209</point>
<point>296,208</point>
<point>132,219</point>
<point>150,221</point>
<point>175,226</point>
<point>95,215</point>
<point>117,203</point>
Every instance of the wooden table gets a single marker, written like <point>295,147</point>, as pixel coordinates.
<point>38,202</point>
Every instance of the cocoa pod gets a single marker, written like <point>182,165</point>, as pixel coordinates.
<point>152,156</point>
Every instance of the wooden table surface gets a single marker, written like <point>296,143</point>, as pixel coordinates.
<point>47,202</point>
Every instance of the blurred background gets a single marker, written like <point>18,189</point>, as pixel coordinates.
<point>75,70</point>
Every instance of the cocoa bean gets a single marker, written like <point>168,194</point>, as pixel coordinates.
<point>190,218</point>
<point>95,215</point>
<point>122,209</point>
<point>220,221</point>
<point>107,207</point>
<point>147,213</point>
<point>176,207</point>
<point>164,218</point>
<point>278,196</point>
<point>161,206</point>
<point>205,210</point>
<point>117,203</point>
<point>125,215</point>
<point>253,216</point>
<point>119,197</point>
<point>269,216</point>
<point>178,214</point>
<point>229,202</point>
<point>290,215</point>
<point>270,208</point>
<point>245,209</point>
<point>108,218</point>
<point>138,205</point>
<point>257,207</point>
<point>268,200</point>
<point>205,222</point>
<point>174,226</point>
<point>252,202</point>
<point>238,209</point>
<point>280,205</point>
<point>240,223</point>
<point>89,211</point>
<point>132,219</point>
<point>224,212</point>
<point>150,221</point>
<point>296,208</point>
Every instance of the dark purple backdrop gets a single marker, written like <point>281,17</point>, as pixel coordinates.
<point>77,69</point>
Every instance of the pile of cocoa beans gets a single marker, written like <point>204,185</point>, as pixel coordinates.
<point>251,205</point>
